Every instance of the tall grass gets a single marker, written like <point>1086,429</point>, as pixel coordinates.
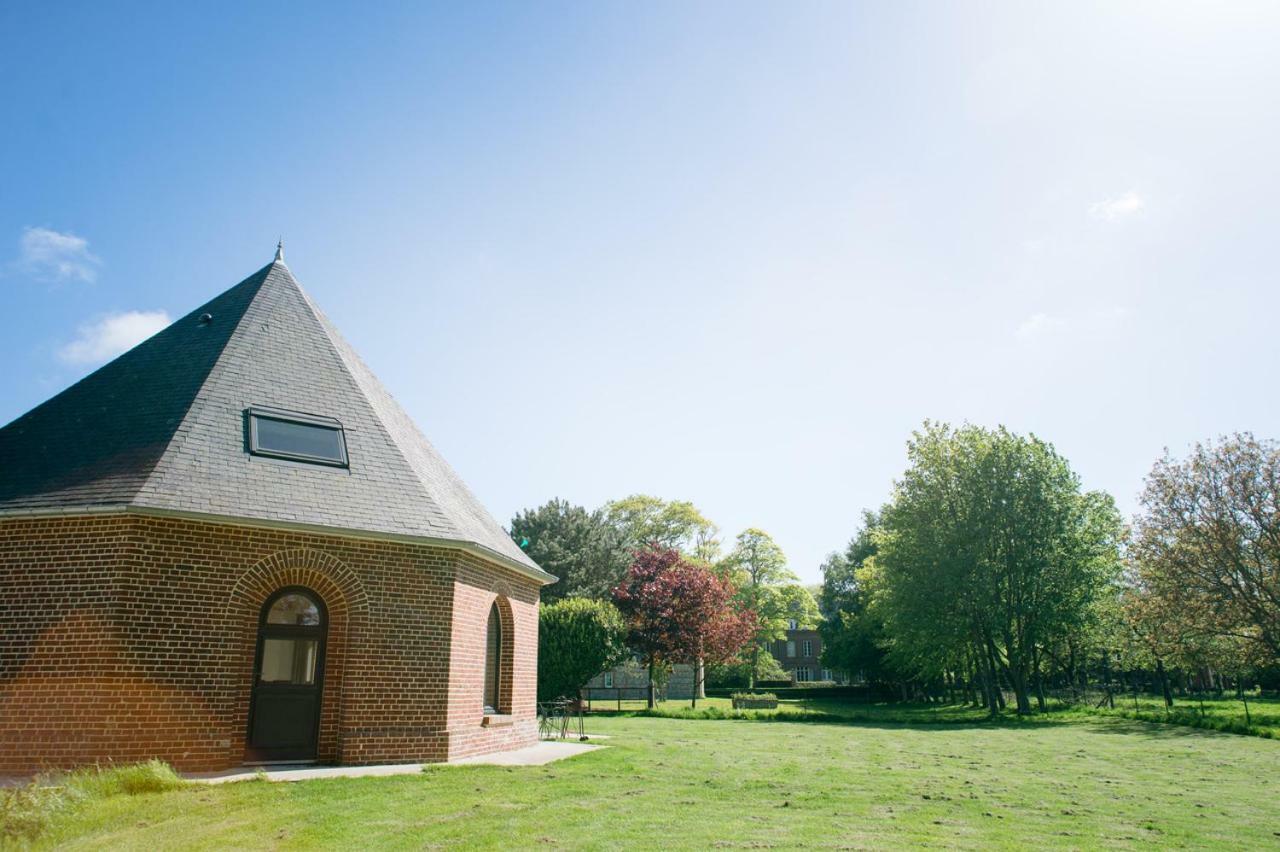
<point>26,812</point>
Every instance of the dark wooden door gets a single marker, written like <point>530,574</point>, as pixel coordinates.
<point>288,678</point>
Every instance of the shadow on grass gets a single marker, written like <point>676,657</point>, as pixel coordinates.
<point>953,717</point>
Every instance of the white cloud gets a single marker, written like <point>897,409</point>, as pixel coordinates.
<point>1038,325</point>
<point>114,333</point>
<point>1113,209</point>
<point>1102,321</point>
<point>54,256</point>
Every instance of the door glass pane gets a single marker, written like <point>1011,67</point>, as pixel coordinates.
<point>294,609</point>
<point>289,661</point>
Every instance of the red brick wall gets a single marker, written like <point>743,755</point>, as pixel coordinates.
<point>476,590</point>
<point>126,637</point>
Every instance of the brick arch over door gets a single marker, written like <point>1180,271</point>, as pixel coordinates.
<point>347,604</point>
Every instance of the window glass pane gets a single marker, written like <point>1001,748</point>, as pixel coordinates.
<point>289,661</point>
<point>492,660</point>
<point>299,439</point>
<point>295,609</point>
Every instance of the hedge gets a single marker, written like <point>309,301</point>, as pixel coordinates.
<point>867,694</point>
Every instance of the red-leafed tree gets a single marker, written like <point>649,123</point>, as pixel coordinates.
<point>679,612</point>
<point>712,630</point>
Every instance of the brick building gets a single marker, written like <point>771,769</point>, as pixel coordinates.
<point>230,545</point>
<point>629,681</point>
<point>800,655</point>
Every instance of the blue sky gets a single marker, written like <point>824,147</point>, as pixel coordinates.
<point>725,252</point>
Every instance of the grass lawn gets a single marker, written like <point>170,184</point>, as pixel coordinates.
<point>678,783</point>
<point>1222,714</point>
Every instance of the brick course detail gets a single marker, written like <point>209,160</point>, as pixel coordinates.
<point>125,637</point>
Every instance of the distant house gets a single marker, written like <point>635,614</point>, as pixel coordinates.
<point>231,545</point>
<point>800,655</point>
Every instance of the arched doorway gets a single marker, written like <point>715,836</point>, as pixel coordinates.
<point>288,677</point>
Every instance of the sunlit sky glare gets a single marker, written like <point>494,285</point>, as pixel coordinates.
<point>725,252</point>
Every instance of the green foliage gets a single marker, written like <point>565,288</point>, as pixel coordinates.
<point>754,696</point>
<point>853,637</point>
<point>27,811</point>
<point>641,520</point>
<point>577,639</point>
<point>579,547</point>
<point>988,552</point>
<point>738,672</point>
<point>758,569</point>
<point>1207,551</point>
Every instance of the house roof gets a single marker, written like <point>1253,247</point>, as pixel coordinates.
<point>162,429</point>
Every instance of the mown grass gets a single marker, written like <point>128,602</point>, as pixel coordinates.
<point>1225,715</point>
<point>1215,714</point>
<point>1080,782</point>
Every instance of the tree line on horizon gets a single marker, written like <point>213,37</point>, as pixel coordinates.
<point>990,571</point>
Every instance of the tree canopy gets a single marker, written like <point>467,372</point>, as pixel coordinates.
<point>758,568</point>
<point>580,547</point>
<point>1207,548</point>
<point>987,551</point>
<point>678,611</point>
<point>641,520</point>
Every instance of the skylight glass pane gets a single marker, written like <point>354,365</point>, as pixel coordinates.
<point>296,439</point>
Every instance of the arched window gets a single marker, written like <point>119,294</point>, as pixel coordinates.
<point>493,661</point>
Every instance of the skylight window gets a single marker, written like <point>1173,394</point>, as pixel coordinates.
<point>298,437</point>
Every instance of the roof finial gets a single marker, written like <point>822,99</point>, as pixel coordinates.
<point>280,251</point>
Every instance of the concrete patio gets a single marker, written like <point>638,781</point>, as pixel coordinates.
<point>547,751</point>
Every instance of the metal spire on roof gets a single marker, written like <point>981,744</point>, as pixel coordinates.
<point>280,251</point>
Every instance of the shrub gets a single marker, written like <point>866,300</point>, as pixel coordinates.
<point>577,639</point>
<point>755,701</point>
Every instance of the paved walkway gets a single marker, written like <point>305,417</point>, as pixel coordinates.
<point>546,751</point>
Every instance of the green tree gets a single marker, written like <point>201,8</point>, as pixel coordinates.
<point>580,547</point>
<point>641,520</point>
<point>852,636</point>
<point>987,552</point>
<point>1207,544</point>
<point>758,568</point>
<point>577,639</point>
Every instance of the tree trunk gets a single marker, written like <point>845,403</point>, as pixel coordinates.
<point>1071,669</point>
<point>755,663</point>
<point>652,687</point>
<point>1035,661</point>
<point>1106,674</point>
<point>995,700</point>
<point>701,676</point>
<point>1019,679</point>
<point>1164,684</point>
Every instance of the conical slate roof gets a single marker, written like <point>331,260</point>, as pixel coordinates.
<point>161,429</point>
